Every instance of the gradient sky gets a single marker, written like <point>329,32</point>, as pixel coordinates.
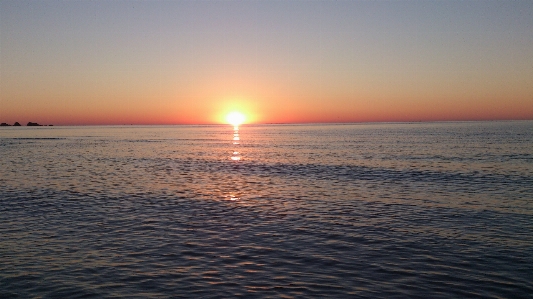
<point>191,62</point>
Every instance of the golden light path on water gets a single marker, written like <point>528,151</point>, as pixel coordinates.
<point>235,118</point>
<point>236,142</point>
<point>235,156</point>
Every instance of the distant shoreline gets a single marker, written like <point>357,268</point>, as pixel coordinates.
<point>29,124</point>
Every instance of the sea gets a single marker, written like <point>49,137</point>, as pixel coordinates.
<point>381,210</point>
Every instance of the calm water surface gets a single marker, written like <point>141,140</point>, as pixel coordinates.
<point>426,210</point>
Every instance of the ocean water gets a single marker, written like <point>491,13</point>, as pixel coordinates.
<point>403,210</point>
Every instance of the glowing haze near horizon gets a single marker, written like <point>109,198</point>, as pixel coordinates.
<point>192,62</point>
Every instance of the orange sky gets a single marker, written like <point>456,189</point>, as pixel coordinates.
<point>104,62</point>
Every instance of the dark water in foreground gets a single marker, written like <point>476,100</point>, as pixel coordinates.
<point>438,210</point>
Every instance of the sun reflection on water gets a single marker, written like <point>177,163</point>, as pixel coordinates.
<point>236,155</point>
<point>234,194</point>
<point>232,197</point>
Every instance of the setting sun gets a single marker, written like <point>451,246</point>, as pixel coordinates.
<point>235,118</point>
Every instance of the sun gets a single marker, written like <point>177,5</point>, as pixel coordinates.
<point>235,118</point>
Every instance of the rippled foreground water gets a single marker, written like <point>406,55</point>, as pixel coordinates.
<point>437,210</point>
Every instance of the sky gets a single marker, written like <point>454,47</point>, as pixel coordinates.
<point>192,62</point>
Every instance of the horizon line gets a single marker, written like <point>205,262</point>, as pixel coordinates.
<point>273,123</point>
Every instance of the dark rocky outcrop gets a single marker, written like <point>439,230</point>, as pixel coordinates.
<point>4,125</point>
<point>17,124</point>
<point>30,124</point>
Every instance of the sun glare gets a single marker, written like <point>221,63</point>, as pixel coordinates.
<point>235,118</point>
